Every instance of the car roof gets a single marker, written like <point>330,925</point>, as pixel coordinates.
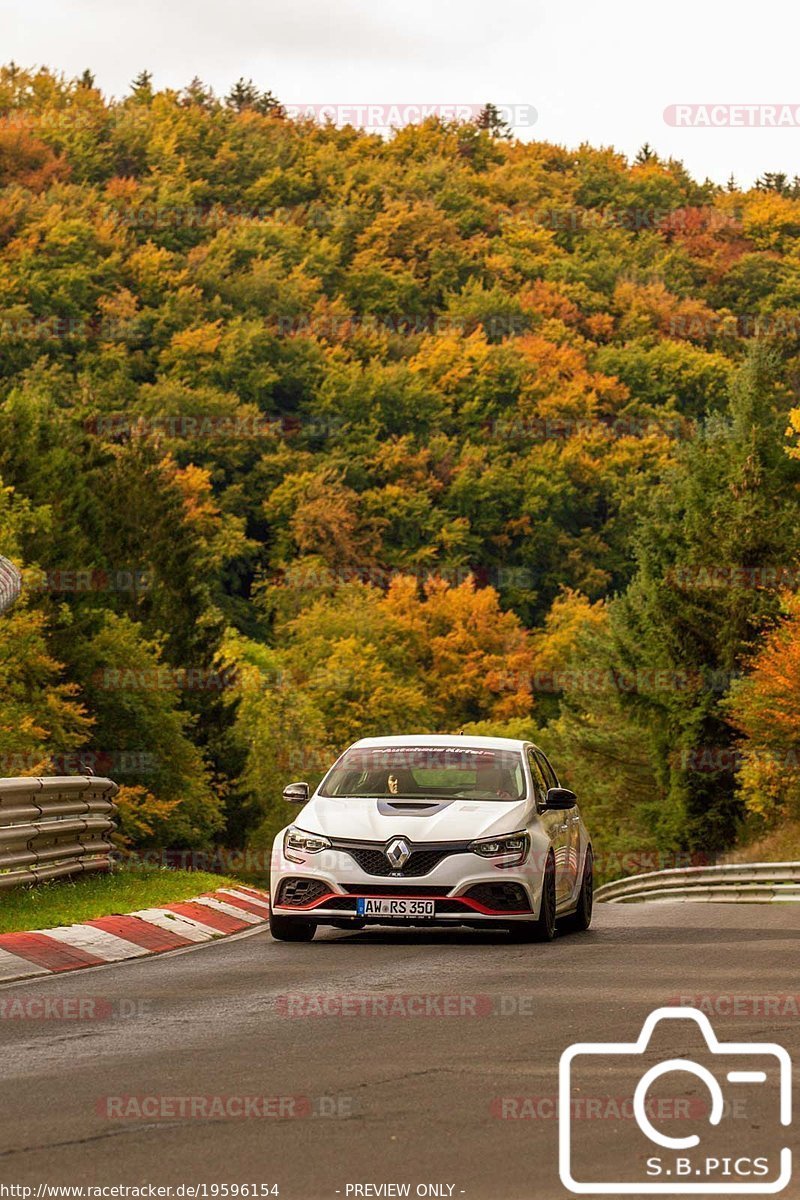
<point>446,739</point>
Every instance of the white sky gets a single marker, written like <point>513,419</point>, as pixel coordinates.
<point>601,71</point>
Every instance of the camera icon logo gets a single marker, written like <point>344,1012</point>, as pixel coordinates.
<point>679,1126</point>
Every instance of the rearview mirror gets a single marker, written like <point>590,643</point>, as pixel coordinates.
<point>296,793</point>
<point>558,798</point>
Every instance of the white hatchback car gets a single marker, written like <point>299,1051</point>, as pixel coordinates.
<point>434,830</point>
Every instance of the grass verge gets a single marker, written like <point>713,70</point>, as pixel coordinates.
<point>782,845</point>
<point>67,902</point>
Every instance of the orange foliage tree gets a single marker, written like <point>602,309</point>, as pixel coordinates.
<point>765,708</point>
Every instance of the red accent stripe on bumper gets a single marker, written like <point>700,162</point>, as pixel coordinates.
<point>467,901</point>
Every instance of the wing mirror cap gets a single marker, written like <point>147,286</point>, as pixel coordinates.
<point>296,793</point>
<point>560,798</point>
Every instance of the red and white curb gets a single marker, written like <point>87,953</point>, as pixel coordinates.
<point>148,931</point>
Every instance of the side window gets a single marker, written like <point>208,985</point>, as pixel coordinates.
<point>539,785</point>
<point>548,771</point>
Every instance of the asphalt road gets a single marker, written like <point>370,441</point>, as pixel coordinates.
<point>462,1101</point>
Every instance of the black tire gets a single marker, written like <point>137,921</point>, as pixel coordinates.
<point>291,929</point>
<point>581,919</point>
<point>543,929</point>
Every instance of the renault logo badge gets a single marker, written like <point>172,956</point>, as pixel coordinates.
<point>398,852</point>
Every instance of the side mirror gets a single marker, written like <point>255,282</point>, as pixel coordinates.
<point>559,798</point>
<point>296,793</point>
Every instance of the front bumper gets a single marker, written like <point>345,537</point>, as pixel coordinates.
<point>467,890</point>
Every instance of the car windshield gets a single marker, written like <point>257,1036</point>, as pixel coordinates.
<point>428,772</point>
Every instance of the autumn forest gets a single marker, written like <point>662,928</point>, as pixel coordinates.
<point>308,433</point>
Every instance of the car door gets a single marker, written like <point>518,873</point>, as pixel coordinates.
<point>555,824</point>
<point>572,833</point>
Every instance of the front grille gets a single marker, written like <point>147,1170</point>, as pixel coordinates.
<point>422,860</point>
<point>503,897</point>
<point>297,892</point>
<point>387,889</point>
<point>345,904</point>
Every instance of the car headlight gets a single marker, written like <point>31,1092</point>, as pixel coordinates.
<point>511,847</point>
<point>296,842</point>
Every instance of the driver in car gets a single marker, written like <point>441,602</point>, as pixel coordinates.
<point>401,782</point>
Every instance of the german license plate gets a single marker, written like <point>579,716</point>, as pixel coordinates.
<point>374,907</point>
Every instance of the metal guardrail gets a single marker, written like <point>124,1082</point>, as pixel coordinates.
<point>54,827</point>
<point>730,883</point>
<point>10,583</point>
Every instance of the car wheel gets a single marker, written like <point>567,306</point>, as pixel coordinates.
<point>291,929</point>
<point>581,919</point>
<point>543,929</point>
